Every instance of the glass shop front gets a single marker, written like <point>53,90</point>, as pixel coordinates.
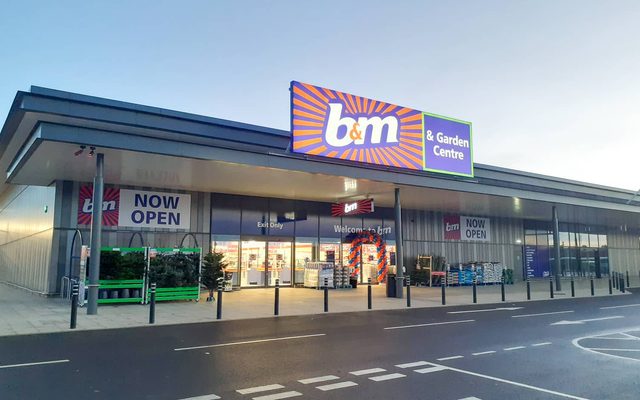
<point>264,239</point>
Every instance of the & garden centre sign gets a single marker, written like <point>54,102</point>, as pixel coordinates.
<point>137,208</point>
<point>334,124</point>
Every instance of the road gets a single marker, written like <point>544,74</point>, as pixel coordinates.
<point>565,349</point>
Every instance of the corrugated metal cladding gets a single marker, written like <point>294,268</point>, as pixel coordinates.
<point>423,234</point>
<point>624,251</point>
<point>26,231</point>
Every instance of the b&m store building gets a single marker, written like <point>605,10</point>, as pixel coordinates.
<point>271,200</point>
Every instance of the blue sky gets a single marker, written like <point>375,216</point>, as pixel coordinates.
<point>551,87</point>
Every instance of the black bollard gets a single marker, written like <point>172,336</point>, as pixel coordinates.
<point>502,288</point>
<point>74,305</point>
<point>369,295</point>
<point>628,283</point>
<point>219,306</point>
<point>610,285</point>
<point>475,293</point>
<point>616,281</point>
<point>408,292</point>
<point>573,288</point>
<point>443,283</point>
<point>593,292</point>
<point>621,283</point>
<point>550,286</point>
<point>152,305</point>
<point>326,294</point>
<point>276,304</point>
<point>528,289</point>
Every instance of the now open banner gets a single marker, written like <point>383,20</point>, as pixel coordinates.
<point>460,227</point>
<point>137,208</point>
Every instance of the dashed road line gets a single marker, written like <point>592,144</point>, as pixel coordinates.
<point>450,358</point>
<point>367,371</point>
<point>204,397</point>
<point>278,396</point>
<point>387,377</point>
<point>483,353</point>
<point>539,314</point>
<point>318,379</point>
<point>33,363</point>
<point>339,385</point>
<point>514,348</point>
<point>413,364</point>
<point>430,324</point>
<point>258,389</point>
<point>249,342</point>
<point>624,306</point>
<point>540,344</point>
<point>434,368</point>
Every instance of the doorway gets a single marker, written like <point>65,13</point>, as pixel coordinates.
<point>262,262</point>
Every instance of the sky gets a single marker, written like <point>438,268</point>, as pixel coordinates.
<point>551,87</point>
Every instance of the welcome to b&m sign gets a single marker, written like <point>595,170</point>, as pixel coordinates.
<point>334,124</point>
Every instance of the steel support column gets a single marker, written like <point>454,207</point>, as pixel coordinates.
<point>96,236</point>
<point>399,252</point>
<point>556,249</point>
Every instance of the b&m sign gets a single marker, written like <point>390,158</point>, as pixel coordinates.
<point>334,124</point>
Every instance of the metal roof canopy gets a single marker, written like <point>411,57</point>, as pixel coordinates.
<point>151,147</point>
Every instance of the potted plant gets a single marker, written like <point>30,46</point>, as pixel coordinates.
<point>213,265</point>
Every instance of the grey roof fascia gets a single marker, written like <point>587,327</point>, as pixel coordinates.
<point>115,140</point>
<point>81,98</point>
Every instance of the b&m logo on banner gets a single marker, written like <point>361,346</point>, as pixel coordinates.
<point>137,208</point>
<point>334,124</point>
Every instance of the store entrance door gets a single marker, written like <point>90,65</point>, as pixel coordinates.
<point>263,262</point>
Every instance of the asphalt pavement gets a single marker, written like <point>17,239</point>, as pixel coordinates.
<point>587,348</point>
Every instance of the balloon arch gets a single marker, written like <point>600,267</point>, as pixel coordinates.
<point>355,253</point>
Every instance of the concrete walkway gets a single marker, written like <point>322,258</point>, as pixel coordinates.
<point>24,313</point>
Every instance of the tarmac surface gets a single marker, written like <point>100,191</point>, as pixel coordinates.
<point>583,348</point>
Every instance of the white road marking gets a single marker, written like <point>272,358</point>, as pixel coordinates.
<point>450,358</point>
<point>367,371</point>
<point>599,349</point>
<point>205,397</point>
<point>278,396</point>
<point>624,306</point>
<point>413,364</point>
<point>493,378</point>
<point>514,348</point>
<point>250,341</point>
<point>578,345</point>
<point>33,363</point>
<point>582,321</point>
<point>338,385</point>
<point>429,370</point>
<point>486,309</point>
<point>258,389</point>
<point>483,353</point>
<point>546,313</point>
<point>431,324</point>
<point>387,377</point>
<point>541,344</point>
<point>318,379</point>
<point>614,338</point>
<point>471,398</point>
